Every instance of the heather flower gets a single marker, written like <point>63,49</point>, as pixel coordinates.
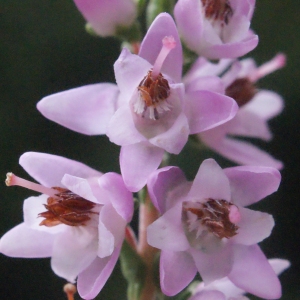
<point>106,16</point>
<point>205,227</point>
<point>256,107</point>
<point>155,114</point>
<point>216,28</point>
<point>224,289</point>
<point>79,220</point>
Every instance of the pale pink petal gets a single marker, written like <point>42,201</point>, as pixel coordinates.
<point>209,295</point>
<point>161,183</point>
<point>212,266</point>
<point>210,182</point>
<point>241,152</point>
<point>73,251</point>
<point>250,184</point>
<point>231,50</point>
<point>49,169</point>
<point>22,241</point>
<point>166,233</point>
<point>79,186</point>
<point>253,273</point>
<point>121,129</point>
<point>92,279</point>
<point>279,265</point>
<point>130,69</point>
<point>209,83</point>
<point>163,26</point>
<point>117,194</point>
<point>106,15</point>
<point>137,162</point>
<point>254,227</point>
<point>174,139</point>
<point>189,20</point>
<point>177,270</point>
<point>111,231</point>
<point>86,109</point>
<point>249,124</point>
<point>265,104</point>
<point>206,110</point>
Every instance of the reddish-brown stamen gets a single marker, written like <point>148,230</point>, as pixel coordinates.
<point>217,10</point>
<point>66,208</point>
<point>242,90</point>
<point>214,215</point>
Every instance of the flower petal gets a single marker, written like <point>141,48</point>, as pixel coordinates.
<point>254,227</point>
<point>253,273</point>
<point>210,182</point>
<point>208,295</point>
<point>73,251</point>
<point>49,169</point>
<point>212,266</point>
<point>92,279</point>
<point>239,151</point>
<point>86,109</point>
<point>117,194</point>
<point>279,265</point>
<point>166,232</point>
<point>121,129</point>
<point>111,231</point>
<point>132,157</point>
<point>250,184</point>
<point>105,16</point>
<point>163,26</point>
<point>22,241</point>
<point>206,110</point>
<point>177,270</point>
<point>231,50</point>
<point>160,185</point>
<point>265,104</point>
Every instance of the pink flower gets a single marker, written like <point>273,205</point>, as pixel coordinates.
<point>205,227</point>
<point>79,220</point>
<point>216,28</point>
<point>256,107</point>
<point>224,289</point>
<point>155,114</point>
<point>105,16</point>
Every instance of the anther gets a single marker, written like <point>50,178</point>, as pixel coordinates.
<point>217,10</point>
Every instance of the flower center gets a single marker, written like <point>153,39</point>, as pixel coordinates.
<point>66,208</point>
<point>63,206</point>
<point>216,216</point>
<point>154,89</point>
<point>217,10</point>
<point>242,90</point>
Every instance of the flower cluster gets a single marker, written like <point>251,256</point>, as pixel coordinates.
<point>81,218</point>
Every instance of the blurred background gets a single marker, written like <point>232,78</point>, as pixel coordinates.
<point>44,49</point>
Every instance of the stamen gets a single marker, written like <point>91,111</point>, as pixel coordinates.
<point>67,208</point>
<point>168,44</point>
<point>217,10</point>
<point>218,216</point>
<point>274,64</point>
<point>70,290</point>
<point>242,90</point>
<point>12,179</point>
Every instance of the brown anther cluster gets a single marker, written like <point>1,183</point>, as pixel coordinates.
<point>154,91</point>
<point>218,10</point>
<point>66,208</point>
<point>214,214</point>
<point>242,90</point>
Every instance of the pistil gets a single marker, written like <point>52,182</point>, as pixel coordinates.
<point>12,179</point>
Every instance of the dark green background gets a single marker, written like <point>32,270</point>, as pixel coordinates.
<point>44,49</point>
